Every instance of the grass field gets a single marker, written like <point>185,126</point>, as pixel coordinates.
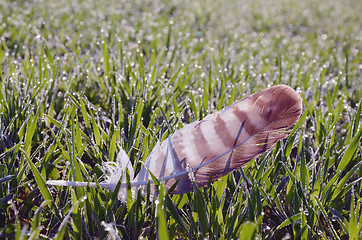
<point>82,79</point>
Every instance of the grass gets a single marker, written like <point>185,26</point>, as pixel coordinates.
<point>82,79</point>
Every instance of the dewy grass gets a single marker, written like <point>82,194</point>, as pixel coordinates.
<point>82,79</point>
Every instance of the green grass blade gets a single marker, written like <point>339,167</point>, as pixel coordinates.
<point>41,183</point>
<point>63,226</point>
<point>350,151</point>
<point>248,231</point>
<point>290,220</point>
<point>30,130</point>
<point>353,225</point>
<point>112,147</point>
<point>325,215</point>
<point>161,211</point>
<point>199,208</point>
<point>76,217</point>
<point>35,225</point>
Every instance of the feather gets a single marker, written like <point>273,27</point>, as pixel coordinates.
<point>218,144</point>
<point>116,171</point>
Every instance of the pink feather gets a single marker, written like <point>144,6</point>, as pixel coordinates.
<point>216,145</point>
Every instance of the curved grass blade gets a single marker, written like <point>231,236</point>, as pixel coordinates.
<point>41,184</point>
<point>348,155</point>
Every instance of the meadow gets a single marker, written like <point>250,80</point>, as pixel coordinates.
<point>79,80</point>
